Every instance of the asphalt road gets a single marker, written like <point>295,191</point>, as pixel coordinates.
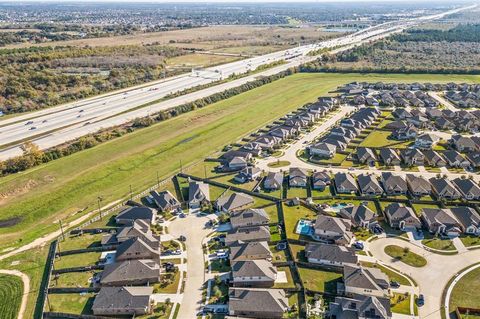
<point>53,126</point>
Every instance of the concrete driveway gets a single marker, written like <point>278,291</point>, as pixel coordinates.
<point>431,279</point>
<point>193,228</point>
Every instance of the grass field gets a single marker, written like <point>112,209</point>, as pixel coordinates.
<point>465,292</point>
<point>380,139</point>
<point>320,280</point>
<point>62,188</point>
<point>199,60</point>
<point>11,291</point>
<point>405,256</point>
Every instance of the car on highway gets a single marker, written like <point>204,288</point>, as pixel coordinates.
<point>80,111</point>
<point>44,121</point>
<point>33,128</point>
<point>29,122</point>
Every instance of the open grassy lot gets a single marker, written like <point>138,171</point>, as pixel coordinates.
<point>11,291</point>
<point>320,280</point>
<point>199,60</point>
<point>380,139</point>
<point>72,303</point>
<point>62,188</point>
<point>465,292</point>
<point>405,256</point>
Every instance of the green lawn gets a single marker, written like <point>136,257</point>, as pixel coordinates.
<point>73,279</point>
<point>168,283</point>
<point>400,303</point>
<point>11,291</point>
<point>320,280</point>
<point>438,243</point>
<point>465,292</point>
<point>380,139</point>
<point>77,260</point>
<point>405,256</point>
<point>299,192</point>
<point>470,240</point>
<point>291,216</point>
<point>72,303</point>
<point>278,163</point>
<point>80,241</point>
<point>62,188</point>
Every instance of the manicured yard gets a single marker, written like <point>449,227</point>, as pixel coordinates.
<point>465,292</point>
<point>319,193</point>
<point>400,303</point>
<point>80,241</point>
<point>77,260</point>
<point>168,283</point>
<point>11,291</point>
<point>438,243</point>
<point>292,214</point>
<point>470,240</point>
<point>220,265</point>
<point>405,256</point>
<point>418,207</point>
<point>379,139</point>
<point>320,280</point>
<point>72,303</point>
<point>299,192</point>
<point>73,279</point>
<point>288,273</point>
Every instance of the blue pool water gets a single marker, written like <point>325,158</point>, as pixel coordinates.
<point>304,227</point>
<point>337,207</point>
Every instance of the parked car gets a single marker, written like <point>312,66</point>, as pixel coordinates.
<point>394,284</point>
<point>182,238</point>
<point>420,300</point>
<point>358,245</point>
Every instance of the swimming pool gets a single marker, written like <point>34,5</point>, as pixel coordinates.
<point>304,227</point>
<point>337,207</point>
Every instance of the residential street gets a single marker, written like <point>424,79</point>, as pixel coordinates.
<point>431,279</point>
<point>193,228</point>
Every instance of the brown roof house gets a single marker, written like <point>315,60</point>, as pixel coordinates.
<point>273,181</point>
<point>418,186</point>
<point>365,281</point>
<point>360,307</point>
<point>345,183</point>
<point>259,273</point>
<point>119,301</point>
<point>137,248</point>
<point>233,202</point>
<point>249,217</point>
<point>257,303</point>
<point>332,229</point>
<point>131,273</point>
<point>198,194</point>
<point>402,217</point>
<point>241,251</point>
<point>441,221</point>
<point>360,216</point>
<point>165,201</point>
<point>247,234</point>
<point>444,188</point>
<point>468,218</point>
<point>394,184</point>
<point>131,214</point>
<point>297,177</point>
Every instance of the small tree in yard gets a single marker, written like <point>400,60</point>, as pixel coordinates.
<point>406,250</point>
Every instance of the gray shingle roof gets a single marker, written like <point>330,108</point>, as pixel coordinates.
<point>130,270</point>
<point>254,268</point>
<point>249,217</point>
<point>334,253</point>
<point>260,300</point>
<point>234,201</point>
<point>126,298</point>
<point>242,250</point>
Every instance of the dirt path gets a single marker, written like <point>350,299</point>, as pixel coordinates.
<point>26,289</point>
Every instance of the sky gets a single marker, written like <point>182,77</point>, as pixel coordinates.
<point>234,1</point>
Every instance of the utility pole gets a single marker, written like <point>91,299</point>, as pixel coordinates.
<point>99,198</point>
<point>205,171</point>
<point>181,167</point>
<point>158,180</point>
<point>61,229</point>
<point>131,192</point>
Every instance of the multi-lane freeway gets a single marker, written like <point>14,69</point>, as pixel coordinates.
<point>57,125</point>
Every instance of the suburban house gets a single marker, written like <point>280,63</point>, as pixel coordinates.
<point>119,301</point>
<point>248,174</point>
<point>249,217</point>
<point>257,303</point>
<point>332,229</point>
<point>250,251</point>
<point>233,202</point>
<point>297,177</point>
<point>432,158</point>
<point>394,184</point>
<point>323,149</point>
<point>468,188</point>
<point>360,307</point>
<point>330,255</point>
<point>444,189</point>
<point>468,218</point>
<point>139,229</point>
<point>345,183</point>
<point>404,133</point>
<point>360,216</point>
<point>369,185</point>
<point>426,141</point>
<point>254,273</point>
<point>441,221</point>
<point>198,194</point>
<point>165,201</point>
<point>365,281</point>
<point>130,215</point>
<point>454,159</point>
<point>137,248</point>
<point>474,159</point>
<point>463,143</point>
<point>418,186</point>
<point>320,180</point>
<point>273,181</point>
<point>389,157</point>
<point>247,234</point>
<point>412,157</point>
<point>237,163</point>
<point>366,155</point>
<point>131,273</point>
<point>402,217</point>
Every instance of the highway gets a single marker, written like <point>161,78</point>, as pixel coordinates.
<point>57,125</point>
